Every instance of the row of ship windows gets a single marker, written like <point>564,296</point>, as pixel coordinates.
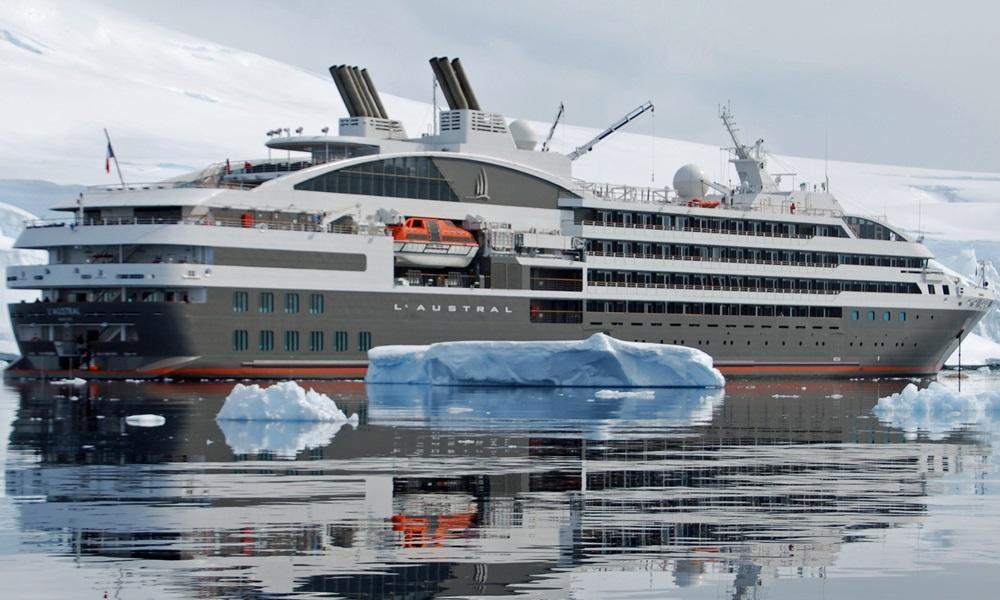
<point>753,284</point>
<point>886,315</point>
<point>738,254</point>
<point>616,218</point>
<point>265,303</point>
<point>710,308</point>
<point>317,341</point>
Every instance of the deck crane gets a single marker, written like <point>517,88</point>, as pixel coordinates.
<point>552,130</point>
<point>631,116</point>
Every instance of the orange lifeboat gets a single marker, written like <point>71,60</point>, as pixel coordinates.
<point>436,243</point>
<point>699,203</point>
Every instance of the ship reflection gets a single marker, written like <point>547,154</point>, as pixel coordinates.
<point>465,492</point>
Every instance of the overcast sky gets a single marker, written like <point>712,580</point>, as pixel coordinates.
<point>908,82</point>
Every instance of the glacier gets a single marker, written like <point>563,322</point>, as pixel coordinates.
<point>598,361</point>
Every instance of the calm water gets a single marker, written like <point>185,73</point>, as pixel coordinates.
<point>780,489</point>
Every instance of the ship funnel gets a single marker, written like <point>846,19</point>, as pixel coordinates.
<point>455,85</point>
<point>463,81</point>
<point>358,92</point>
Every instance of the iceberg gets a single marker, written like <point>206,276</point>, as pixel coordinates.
<point>599,361</point>
<point>76,381</point>
<point>936,409</point>
<point>145,420</point>
<point>285,401</point>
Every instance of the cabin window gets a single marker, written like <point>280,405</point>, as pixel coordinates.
<point>902,316</point>
<point>887,316</point>
<point>241,302</point>
<point>945,290</point>
<point>871,315</point>
<point>340,341</point>
<point>266,302</point>
<point>315,341</point>
<point>364,341</point>
<point>316,304</point>
<point>854,315</point>
<point>265,340</point>
<point>241,340</point>
<point>291,303</point>
<point>291,341</point>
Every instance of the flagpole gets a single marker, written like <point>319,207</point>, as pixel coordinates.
<point>115,156</point>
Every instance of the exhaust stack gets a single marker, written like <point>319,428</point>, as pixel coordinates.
<point>358,92</point>
<point>463,81</point>
<point>455,85</point>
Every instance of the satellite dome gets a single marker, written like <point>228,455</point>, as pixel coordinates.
<point>524,136</point>
<point>689,182</point>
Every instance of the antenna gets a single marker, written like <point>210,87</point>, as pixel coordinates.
<point>826,158</point>
<point>552,130</point>
<point>434,101</point>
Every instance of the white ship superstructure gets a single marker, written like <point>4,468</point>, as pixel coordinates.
<point>298,266</point>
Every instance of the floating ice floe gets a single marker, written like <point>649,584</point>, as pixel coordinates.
<point>936,409</point>
<point>76,381</point>
<point>145,420</point>
<point>599,361</point>
<point>281,420</point>
<point>285,401</point>
<point>606,394</point>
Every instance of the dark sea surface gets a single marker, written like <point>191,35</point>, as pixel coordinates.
<point>768,489</point>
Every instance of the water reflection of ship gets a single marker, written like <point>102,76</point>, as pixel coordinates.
<point>763,486</point>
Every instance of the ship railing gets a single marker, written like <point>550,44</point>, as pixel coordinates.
<point>652,227</point>
<point>625,193</point>
<point>720,288</point>
<point>262,225</point>
<point>545,315</point>
<point>744,261</point>
<point>556,284</point>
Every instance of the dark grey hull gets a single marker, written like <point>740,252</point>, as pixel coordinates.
<point>192,341</point>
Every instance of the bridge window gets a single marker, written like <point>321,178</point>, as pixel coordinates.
<point>403,177</point>
<point>364,341</point>
<point>315,341</point>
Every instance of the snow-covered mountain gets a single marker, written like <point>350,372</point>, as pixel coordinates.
<point>175,103</point>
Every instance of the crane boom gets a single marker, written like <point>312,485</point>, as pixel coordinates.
<point>552,130</point>
<point>631,116</point>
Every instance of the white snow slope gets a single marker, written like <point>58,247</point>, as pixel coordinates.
<point>175,103</point>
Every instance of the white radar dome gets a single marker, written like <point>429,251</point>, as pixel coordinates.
<point>689,182</point>
<point>524,136</point>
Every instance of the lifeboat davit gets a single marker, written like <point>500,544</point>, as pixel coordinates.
<point>436,243</point>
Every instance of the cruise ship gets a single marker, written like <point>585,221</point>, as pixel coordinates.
<point>297,266</point>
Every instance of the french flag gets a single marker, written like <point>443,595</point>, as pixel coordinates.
<point>107,159</point>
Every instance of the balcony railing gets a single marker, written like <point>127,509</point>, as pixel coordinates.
<point>203,221</point>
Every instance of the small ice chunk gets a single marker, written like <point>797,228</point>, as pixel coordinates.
<point>835,396</point>
<point>598,361</point>
<point>285,401</point>
<point>936,409</point>
<point>459,409</point>
<point>76,381</point>
<point>145,420</point>
<point>784,395</point>
<point>606,394</point>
